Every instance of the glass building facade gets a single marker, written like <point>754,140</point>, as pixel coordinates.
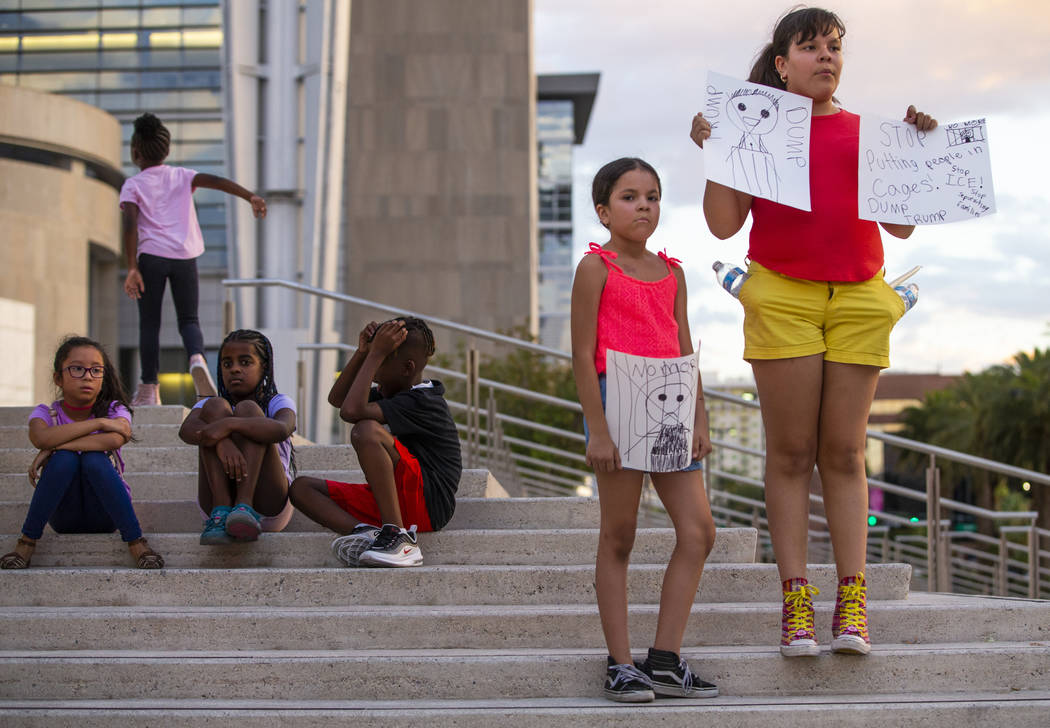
<point>127,57</point>
<point>554,137</point>
<point>563,110</point>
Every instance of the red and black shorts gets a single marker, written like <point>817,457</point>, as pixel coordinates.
<point>357,498</point>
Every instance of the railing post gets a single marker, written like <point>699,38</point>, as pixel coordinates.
<point>473,405</point>
<point>1033,561</point>
<point>935,568</point>
<point>490,428</point>
<point>300,388</point>
<point>229,312</point>
<point>1001,570</point>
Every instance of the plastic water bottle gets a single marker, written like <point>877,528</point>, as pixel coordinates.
<point>730,277</point>
<point>909,294</point>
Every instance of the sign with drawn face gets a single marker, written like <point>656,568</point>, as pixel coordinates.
<point>914,177</point>
<point>759,140</point>
<point>650,405</point>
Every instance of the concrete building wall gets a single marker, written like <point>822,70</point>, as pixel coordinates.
<point>60,227</point>
<point>441,160</point>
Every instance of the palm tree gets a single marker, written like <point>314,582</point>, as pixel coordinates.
<point>1002,413</point>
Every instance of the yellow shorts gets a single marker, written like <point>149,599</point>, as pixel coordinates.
<point>788,317</point>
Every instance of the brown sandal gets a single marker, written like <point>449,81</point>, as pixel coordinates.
<point>15,560</point>
<point>148,559</point>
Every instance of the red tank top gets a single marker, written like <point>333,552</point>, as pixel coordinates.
<point>636,317</point>
<point>831,243</point>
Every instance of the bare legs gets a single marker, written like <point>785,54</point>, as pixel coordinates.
<point>378,458</point>
<point>686,502</point>
<point>265,487</point>
<point>815,412</point>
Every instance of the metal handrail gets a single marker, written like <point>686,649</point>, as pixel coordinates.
<point>942,565</point>
<point>395,310</point>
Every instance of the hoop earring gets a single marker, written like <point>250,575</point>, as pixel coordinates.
<point>783,78</point>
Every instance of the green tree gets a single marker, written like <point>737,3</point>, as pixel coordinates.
<point>535,372</point>
<point>1001,413</point>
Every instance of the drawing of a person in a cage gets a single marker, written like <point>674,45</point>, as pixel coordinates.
<point>755,113</point>
<point>667,406</point>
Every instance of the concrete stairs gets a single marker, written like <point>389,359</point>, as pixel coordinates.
<point>498,628</point>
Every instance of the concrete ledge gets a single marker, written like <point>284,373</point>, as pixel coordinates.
<point>14,487</point>
<point>489,546</point>
<point>500,627</point>
<point>423,585</point>
<point>473,674</point>
<point>163,415</point>
<point>183,516</point>
<point>1021,709</point>
<point>183,458</point>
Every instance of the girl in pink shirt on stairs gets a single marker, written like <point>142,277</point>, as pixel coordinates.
<point>637,305</point>
<point>162,241</point>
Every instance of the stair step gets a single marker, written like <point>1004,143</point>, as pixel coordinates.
<point>183,458</point>
<point>162,415</point>
<point>17,436</point>
<point>424,585</point>
<point>183,516</point>
<point>984,709</point>
<point>955,619</point>
<point>451,546</point>
<point>418,674</point>
<point>146,486</point>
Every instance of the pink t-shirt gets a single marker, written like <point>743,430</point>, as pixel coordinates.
<point>168,224</point>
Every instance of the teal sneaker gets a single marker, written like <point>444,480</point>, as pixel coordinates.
<point>214,533</point>
<point>244,523</point>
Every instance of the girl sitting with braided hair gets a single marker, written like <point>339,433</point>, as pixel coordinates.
<point>244,439</point>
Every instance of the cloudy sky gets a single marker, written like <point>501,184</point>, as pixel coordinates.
<point>985,284</point>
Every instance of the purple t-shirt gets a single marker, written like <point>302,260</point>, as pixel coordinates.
<point>284,447</point>
<point>168,224</point>
<point>116,409</point>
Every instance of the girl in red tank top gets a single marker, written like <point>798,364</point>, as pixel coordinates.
<point>626,298</point>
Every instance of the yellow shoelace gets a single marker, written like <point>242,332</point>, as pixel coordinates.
<point>800,608</point>
<point>852,599</point>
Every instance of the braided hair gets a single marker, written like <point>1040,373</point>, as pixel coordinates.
<point>266,389</point>
<point>415,328</point>
<point>112,389</point>
<point>419,327</point>
<point>151,139</point>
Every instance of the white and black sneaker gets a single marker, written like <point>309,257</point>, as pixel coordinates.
<point>393,546</point>
<point>627,684</point>
<point>672,678</point>
<point>349,548</point>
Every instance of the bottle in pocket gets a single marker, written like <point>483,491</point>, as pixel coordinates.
<point>730,277</point>
<point>909,294</point>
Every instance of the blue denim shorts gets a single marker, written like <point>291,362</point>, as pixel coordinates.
<point>695,465</point>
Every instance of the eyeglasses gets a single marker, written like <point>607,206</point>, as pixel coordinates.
<point>77,372</point>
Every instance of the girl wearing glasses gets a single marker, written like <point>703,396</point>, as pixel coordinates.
<point>78,471</point>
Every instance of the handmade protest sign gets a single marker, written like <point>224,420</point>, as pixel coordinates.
<point>913,177</point>
<point>759,140</point>
<point>649,405</point>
